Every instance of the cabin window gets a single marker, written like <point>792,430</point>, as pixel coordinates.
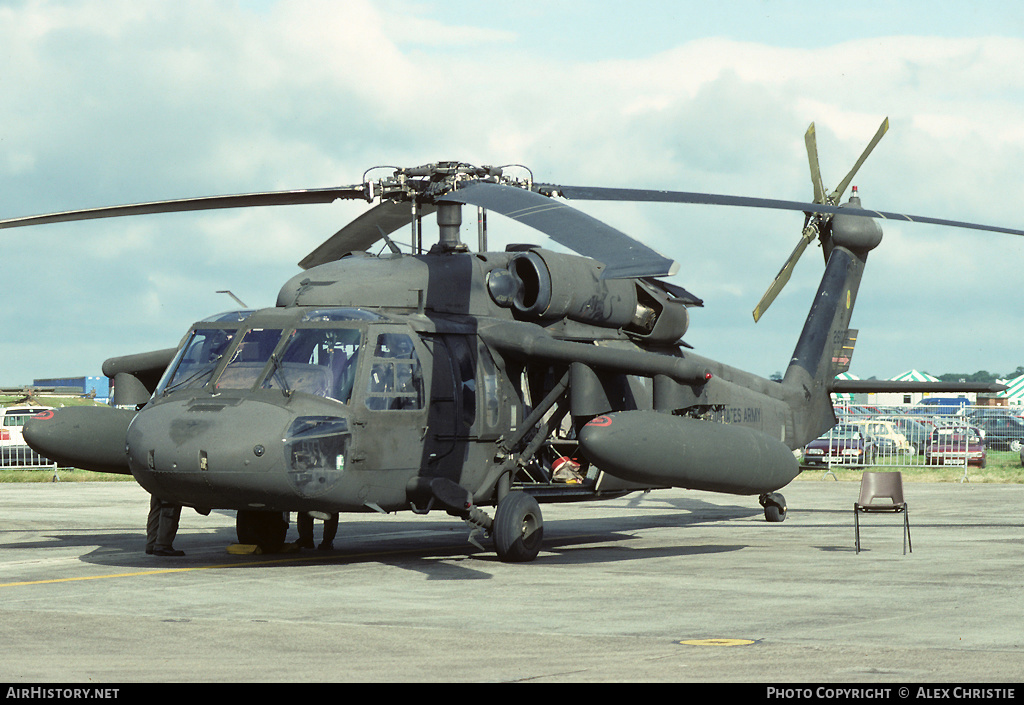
<point>320,361</point>
<point>464,371</point>
<point>396,377</point>
<point>491,395</point>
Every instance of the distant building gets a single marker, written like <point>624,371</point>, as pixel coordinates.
<point>98,387</point>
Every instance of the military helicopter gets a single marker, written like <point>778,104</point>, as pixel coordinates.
<point>457,380</point>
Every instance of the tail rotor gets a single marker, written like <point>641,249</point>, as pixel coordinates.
<point>816,223</point>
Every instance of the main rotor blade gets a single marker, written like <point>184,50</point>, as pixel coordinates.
<point>622,255</point>
<point>841,188</point>
<point>383,219</point>
<point>812,156</point>
<point>248,200</point>
<point>595,193</point>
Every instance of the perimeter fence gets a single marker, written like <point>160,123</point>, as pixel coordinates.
<point>919,435</point>
<point>23,457</point>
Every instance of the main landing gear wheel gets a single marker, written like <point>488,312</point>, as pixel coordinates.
<point>518,528</point>
<point>267,530</point>
<point>774,506</point>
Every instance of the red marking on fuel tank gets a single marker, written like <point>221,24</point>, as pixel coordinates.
<point>600,421</point>
<point>44,415</point>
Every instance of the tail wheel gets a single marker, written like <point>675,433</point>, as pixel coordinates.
<point>518,528</point>
<point>774,506</point>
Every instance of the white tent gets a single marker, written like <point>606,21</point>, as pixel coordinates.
<point>1014,390</point>
<point>900,398</point>
<point>914,376</point>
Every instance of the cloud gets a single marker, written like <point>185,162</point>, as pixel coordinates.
<point>118,101</point>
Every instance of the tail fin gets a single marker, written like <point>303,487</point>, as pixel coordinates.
<point>826,341</point>
<point>821,351</point>
<point>826,344</point>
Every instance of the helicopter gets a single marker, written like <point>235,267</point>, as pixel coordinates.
<point>454,380</point>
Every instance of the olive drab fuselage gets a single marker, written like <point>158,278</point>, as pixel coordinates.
<point>330,403</point>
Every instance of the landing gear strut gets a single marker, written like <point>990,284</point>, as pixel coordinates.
<point>517,528</point>
<point>774,506</point>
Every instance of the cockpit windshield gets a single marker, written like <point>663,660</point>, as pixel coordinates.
<point>316,354</point>
<point>197,359</point>
<point>320,361</point>
<point>249,358</point>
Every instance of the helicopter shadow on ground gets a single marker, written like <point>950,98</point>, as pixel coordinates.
<point>439,549</point>
<point>603,538</point>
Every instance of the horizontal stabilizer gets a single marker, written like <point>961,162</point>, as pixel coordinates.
<point>841,386</point>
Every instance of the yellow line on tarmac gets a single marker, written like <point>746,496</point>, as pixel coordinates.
<point>164,571</point>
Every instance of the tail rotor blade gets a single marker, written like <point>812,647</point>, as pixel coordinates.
<point>784,274</point>
<point>841,188</point>
<point>812,157</point>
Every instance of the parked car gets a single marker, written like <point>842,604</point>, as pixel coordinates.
<point>916,433</point>
<point>843,444</point>
<point>1001,431</point>
<point>941,405</point>
<point>886,437</point>
<point>956,445</point>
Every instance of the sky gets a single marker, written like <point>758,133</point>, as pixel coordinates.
<point>119,101</point>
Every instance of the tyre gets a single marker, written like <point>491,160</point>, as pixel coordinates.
<point>267,530</point>
<point>518,528</point>
<point>774,507</point>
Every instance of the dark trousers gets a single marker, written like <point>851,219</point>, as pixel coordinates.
<point>305,524</point>
<point>162,524</point>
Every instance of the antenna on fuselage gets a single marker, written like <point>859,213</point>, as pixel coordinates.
<point>237,300</point>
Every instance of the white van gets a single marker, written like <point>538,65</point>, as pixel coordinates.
<point>13,451</point>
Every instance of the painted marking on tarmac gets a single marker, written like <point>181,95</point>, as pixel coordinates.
<point>247,564</point>
<point>717,642</point>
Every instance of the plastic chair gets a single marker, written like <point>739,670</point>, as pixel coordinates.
<point>882,492</point>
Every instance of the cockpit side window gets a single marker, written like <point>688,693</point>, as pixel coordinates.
<point>250,357</point>
<point>197,359</point>
<point>320,361</point>
<point>396,377</point>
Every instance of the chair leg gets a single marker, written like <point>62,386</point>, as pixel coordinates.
<point>906,532</point>
<point>856,528</point>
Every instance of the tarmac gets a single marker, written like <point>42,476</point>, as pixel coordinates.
<point>669,586</point>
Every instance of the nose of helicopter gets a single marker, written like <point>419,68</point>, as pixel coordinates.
<point>240,454</point>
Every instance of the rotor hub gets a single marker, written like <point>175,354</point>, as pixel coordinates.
<point>428,182</point>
